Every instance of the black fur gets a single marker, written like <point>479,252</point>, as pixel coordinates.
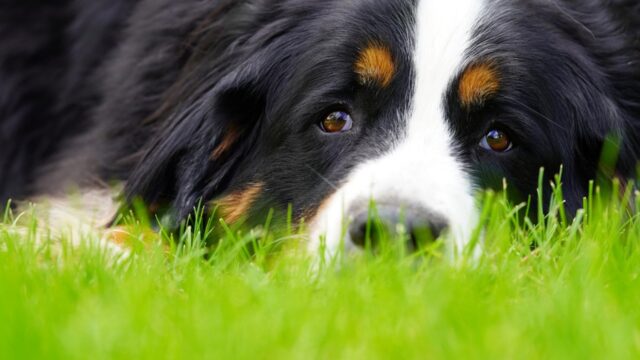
<point>570,75</point>
<point>143,92</point>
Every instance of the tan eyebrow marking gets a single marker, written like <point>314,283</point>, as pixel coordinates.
<point>478,83</point>
<point>228,140</point>
<point>235,206</point>
<point>375,66</point>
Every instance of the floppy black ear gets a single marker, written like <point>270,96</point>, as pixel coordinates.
<point>197,147</point>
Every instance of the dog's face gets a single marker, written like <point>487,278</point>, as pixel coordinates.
<point>413,104</point>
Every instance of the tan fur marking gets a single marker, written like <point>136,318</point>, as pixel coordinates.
<point>236,205</point>
<point>119,236</point>
<point>478,83</point>
<point>228,141</point>
<point>375,66</point>
<point>310,214</point>
<point>131,237</point>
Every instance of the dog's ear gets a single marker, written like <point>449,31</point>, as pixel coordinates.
<point>197,147</point>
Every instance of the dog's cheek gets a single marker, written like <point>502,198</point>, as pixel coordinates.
<point>237,205</point>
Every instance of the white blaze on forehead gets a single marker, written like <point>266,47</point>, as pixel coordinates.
<point>423,168</point>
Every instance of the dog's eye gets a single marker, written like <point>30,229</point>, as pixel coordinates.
<point>337,122</point>
<point>497,141</point>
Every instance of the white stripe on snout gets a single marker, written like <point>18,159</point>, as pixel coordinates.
<point>422,169</point>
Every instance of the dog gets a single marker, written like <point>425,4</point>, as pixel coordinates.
<point>319,107</point>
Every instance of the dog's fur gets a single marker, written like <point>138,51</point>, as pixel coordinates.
<point>219,101</point>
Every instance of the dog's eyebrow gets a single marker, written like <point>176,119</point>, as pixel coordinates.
<point>375,65</point>
<point>478,83</point>
<point>228,140</point>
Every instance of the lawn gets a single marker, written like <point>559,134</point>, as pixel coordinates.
<point>575,294</point>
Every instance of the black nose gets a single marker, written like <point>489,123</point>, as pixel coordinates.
<point>372,224</point>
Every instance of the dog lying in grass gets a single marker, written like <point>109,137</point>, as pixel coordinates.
<point>316,108</point>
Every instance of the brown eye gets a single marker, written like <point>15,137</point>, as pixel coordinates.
<point>337,122</point>
<point>497,141</point>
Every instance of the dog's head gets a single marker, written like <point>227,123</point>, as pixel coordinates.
<point>325,106</point>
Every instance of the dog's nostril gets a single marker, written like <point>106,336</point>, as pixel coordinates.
<point>418,225</point>
<point>365,229</point>
<point>423,231</point>
<point>358,233</point>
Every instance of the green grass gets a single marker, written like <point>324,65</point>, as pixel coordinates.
<point>577,295</point>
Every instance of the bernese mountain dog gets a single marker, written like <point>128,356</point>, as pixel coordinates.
<point>317,107</point>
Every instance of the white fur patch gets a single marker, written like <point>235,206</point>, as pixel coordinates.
<point>422,169</point>
<point>77,219</point>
